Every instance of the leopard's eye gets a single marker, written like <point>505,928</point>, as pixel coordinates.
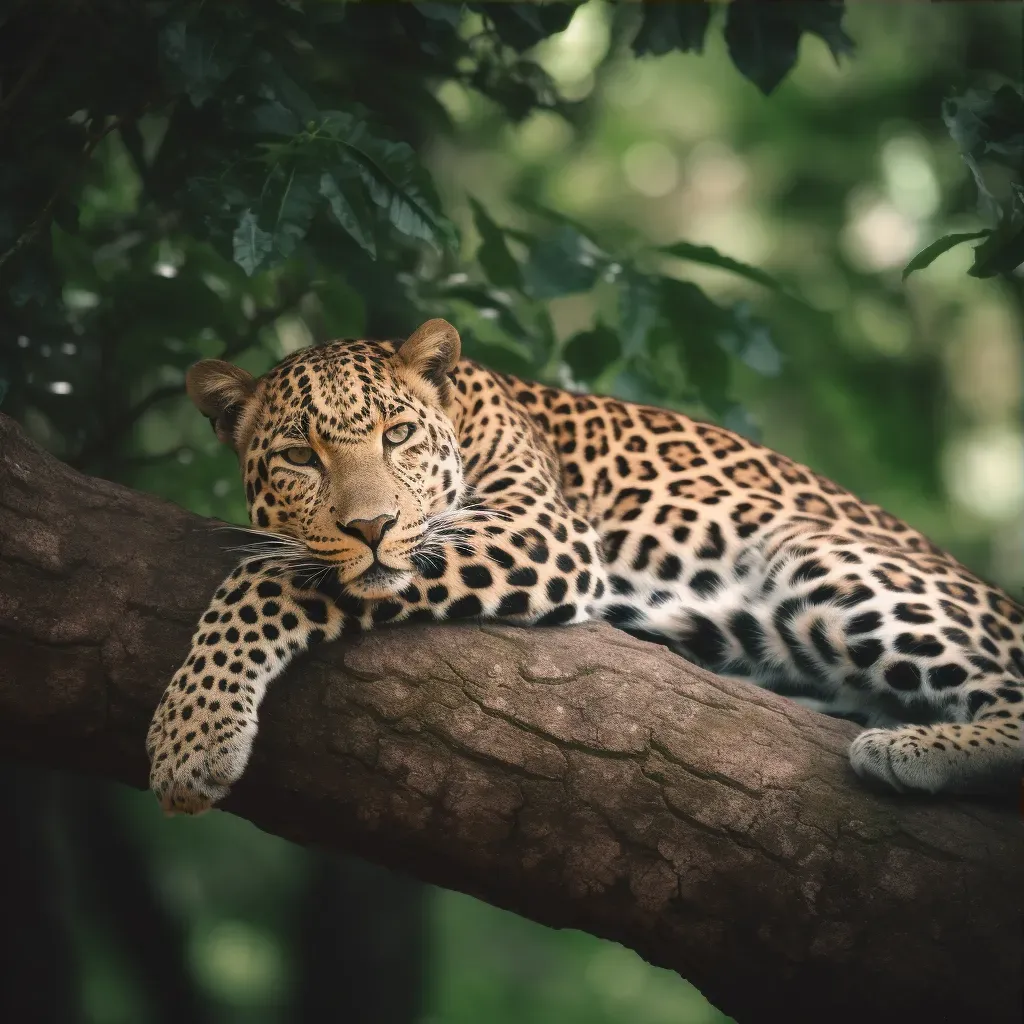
<point>301,455</point>
<point>398,433</point>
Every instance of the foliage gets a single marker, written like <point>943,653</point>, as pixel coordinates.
<point>276,141</point>
<point>988,127</point>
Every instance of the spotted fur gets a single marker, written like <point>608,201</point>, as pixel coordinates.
<point>402,483</point>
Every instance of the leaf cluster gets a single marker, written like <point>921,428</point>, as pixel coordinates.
<point>988,127</point>
<point>180,175</point>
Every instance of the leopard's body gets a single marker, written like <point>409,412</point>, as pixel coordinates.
<point>529,504</point>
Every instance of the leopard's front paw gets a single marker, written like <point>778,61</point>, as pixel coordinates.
<point>198,746</point>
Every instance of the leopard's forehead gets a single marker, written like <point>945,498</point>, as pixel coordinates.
<point>343,389</point>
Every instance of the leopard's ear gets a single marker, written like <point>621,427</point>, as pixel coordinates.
<point>220,391</point>
<point>432,350</point>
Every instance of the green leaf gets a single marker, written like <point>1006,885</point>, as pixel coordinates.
<point>750,341</point>
<point>932,252</point>
<point>672,26</point>
<point>738,419</point>
<point>523,25</point>
<point>251,245</point>
<point>589,353</point>
<point>268,118</point>
<point>824,18</point>
<point>764,38</point>
<point>393,176</point>
<point>563,263</point>
<point>450,13</point>
<point>292,202</point>
<point>349,207</point>
<point>987,126</point>
<point>638,311</point>
<point>196,63</point>
<point>1003,251</point>
<point>488,303</point>
<point>283,88</point>
<point>711,257</point>
<point>493,255</point>
<point>699,323</point>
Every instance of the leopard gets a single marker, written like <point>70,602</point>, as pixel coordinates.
<point>397,481</point>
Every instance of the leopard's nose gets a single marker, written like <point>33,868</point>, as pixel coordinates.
<point>369,531</point>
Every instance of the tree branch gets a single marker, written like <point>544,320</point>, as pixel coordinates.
<point>577,776</point>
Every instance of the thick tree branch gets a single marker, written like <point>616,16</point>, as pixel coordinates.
<point>577,776</point>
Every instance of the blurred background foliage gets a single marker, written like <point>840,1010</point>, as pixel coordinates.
<point>706,206</point>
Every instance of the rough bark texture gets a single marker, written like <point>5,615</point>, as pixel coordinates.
<point>577,776</point>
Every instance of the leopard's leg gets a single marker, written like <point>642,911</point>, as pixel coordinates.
<point>910,637</point>
<point>984,753</point>
<point>893,638</point>
<point>549,573</point>
<point>202,731</point>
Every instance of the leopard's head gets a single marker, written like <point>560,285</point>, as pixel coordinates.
<point>349,449</point>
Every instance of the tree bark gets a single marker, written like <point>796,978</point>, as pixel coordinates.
<point>575,775</point>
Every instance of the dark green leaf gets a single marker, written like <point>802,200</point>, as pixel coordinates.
<point>589,353</point>
<point>932,252</point>
<point>750,341</point>
<point>269,118</point>
<point>711,257</point>
<point>764,38</point>
<point>523,25</point>
<point>348,205</point>
<point>737,418</point>
<point>283,88</point>
<point>393,176</point>
<point>196,62</point>
<point>698,324</point>
<point>824,18</point>
<point>1002,252</point>
<point>563,263</point>
<point>290,202</point>
<point>450,13</point>
<point>638,311</point>
<point>251,245</point>
<point>489,304</point>
<point>987,126</point>
<point>672,26</point>
<point>493,255</point>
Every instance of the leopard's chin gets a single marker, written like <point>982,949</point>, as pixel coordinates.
<point>379,582</point>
